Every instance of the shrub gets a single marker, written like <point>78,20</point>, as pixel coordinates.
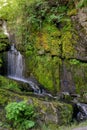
<point>21,115</point>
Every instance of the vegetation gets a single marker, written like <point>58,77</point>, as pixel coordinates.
<point>47,34</point>
<point>21,115</point>
<point>82,3</point>
<point>9,84</point>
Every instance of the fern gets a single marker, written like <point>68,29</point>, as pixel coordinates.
<point>21,114</point>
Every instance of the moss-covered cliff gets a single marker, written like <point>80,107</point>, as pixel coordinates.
<point>53,36</point>
<point>48,112</point>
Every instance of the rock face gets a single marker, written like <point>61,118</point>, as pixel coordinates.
<point>81,19</point>
<point>49,112</point>
<point>82,15</point>
<point>56,55</point>
<point>59,60</point>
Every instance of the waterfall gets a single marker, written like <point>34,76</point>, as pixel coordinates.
<point>15,63</point>
<point>16,68</point>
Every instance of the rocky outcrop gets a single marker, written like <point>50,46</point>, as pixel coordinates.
<point>82,16</point>
<point>59,63</point>
<point>80,22</point>
<point>55,45</point>
<point>49,112</point>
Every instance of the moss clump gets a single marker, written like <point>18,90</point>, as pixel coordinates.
<point>7,96</point>
<point>3,36</point>
<point>3,98</point>
<point>59,113</point>
<point>66,112</point>
<point>48,40</point>
<point>46,69</point>
<point>9,84</point>
<point>78,70</point>
<point>67,45</point>
<point>72,12</point>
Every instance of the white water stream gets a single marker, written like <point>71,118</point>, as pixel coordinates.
<point>16,68</point>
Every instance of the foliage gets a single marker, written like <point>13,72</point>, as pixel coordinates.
<point>8,9</point>
<point>3,46</point>
<point>8,84</point>
<point>21,114</point>
<point>74,61</point>
<point>72,12</point>
<point>82,3</point>
<point>67,45</point>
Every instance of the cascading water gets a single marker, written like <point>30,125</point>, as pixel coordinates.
<point>16,66</point>
<point>15,63</point>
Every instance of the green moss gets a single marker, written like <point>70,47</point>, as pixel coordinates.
<point>48,38</point>
<point>68,48</point>
<point>61,113</point>
<point>3,46</point>
<point>72,12</point>
<point>3,36</point>
<point>4,42</point>
<point>55,43</point>
<point>46,70</point>
<point>7,96</point>
<point>9,84</point>
<point>66,113</point>
<point>3,98</point>
<point>79,74</point>
<point>74,62</point>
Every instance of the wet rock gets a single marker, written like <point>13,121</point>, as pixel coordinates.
<point>82,114</point>
<point>79,110</point>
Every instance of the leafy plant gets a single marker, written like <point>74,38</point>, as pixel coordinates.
<point>74,61</point>
<point>61,9</point>
<point>21,114</point>
<point>55,18</point>
<point>82,3</point>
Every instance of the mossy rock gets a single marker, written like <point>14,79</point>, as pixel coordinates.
<point>53,112</point>
<point>9,84</point>
<point>46,70</point>
<point>78,71</point>
<point>3,36</point>
<point>48,112</point>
